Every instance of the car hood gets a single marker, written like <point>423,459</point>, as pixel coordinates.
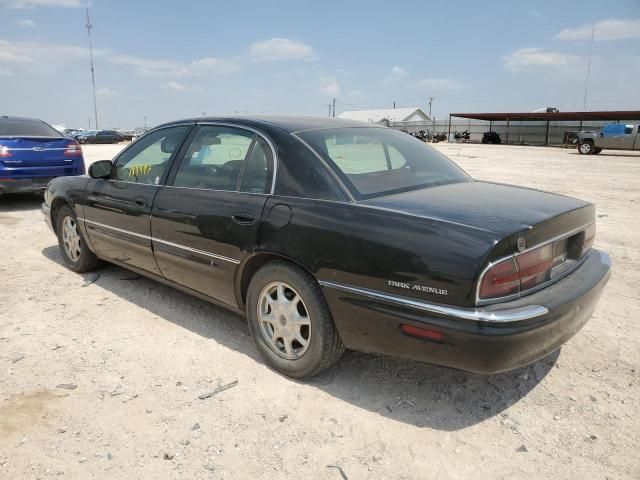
<point>498,208</point>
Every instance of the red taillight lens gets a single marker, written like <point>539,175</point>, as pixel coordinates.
<point>535,266</point>
<point>500,280</point>
<point>589,237</point>
<point>73,149</point>
<point>4,151</point>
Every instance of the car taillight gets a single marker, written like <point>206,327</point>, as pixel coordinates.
<point>589,237</point>
<point>73,150</point>
<point>4,151</point>
<point>534,266</point>
<point>500,280</point>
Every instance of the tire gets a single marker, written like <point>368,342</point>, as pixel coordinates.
<point>586,148</point>
<point>266,300</point>
<point>75,252</point>
<point>597,150</point>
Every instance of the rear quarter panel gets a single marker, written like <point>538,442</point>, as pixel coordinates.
<point>386,251</point>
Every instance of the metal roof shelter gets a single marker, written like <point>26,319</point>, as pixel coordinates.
<point>553,116</point>
<point>604,115</point>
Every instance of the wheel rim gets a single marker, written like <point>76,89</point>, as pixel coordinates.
<point>284,320</point>
<point>71,239</point>
<point>585,148</point>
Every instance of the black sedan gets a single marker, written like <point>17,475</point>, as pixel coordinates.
<point>331,234</point>
<point>100,136</point>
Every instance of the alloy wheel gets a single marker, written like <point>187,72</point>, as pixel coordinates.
<point>71,239</point>
<point>284,320</point>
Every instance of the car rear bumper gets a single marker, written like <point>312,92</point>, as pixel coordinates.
<point>24,185</point>
<point>485,340</point>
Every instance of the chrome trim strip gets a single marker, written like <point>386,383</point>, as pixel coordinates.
<point>478,315</point>
<point>195,250</point>
<point>489,301</point>
<point>128,232</point>
<point>165,242</point>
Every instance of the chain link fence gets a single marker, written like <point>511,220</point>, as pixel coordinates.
<point>512,133</point>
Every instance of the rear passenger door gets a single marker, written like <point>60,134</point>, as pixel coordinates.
<point>205,219</point>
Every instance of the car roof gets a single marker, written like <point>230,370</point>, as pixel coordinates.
<point>22,119</point>
<point>288,123</point>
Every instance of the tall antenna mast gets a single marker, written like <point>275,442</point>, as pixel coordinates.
<point>93,75</point>
<point>586,83</point>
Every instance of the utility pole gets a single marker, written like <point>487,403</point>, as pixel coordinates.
<point>586,83</point>
<point>394,105</point>
<point>145,121</point>
<point>329,105</point>
<point>431,99</point>
<point>93,75</point>
<point>334,107</point>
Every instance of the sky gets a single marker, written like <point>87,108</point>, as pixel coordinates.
<point>166,60</point>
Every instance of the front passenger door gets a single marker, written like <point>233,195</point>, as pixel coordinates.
<point>117,209</point>
<point>205,221</point>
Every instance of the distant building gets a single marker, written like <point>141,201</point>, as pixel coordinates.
<point>387,116</point>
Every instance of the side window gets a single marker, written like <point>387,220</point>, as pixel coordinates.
<point>148,158</point>
<point>214,158</point>
<point>628,129</point>
<point>258,169</point>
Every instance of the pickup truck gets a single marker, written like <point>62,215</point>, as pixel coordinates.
<point>616,136</point>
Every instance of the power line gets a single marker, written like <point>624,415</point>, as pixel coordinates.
<point>93,75</point>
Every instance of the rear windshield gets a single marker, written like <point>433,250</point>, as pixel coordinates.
<point>373,162</point>
<point>16,127</point>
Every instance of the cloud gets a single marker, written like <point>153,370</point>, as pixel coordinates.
<point>145,66</point>
<point>41,3</point>
<point>279,49</point>
<point>26,23</point>
<point>535,13</point>
<point>107,92</point>
<point>536,58</point>
<point>398,72</point>
<point>611,29</point>
<point>42,55</point>
<point>329,86</point>
<point>175,86</point>
<point>441,84</point>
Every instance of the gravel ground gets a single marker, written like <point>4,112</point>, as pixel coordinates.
<point>100,374</point>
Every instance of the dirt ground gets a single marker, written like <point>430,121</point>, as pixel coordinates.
<point>139,355</point>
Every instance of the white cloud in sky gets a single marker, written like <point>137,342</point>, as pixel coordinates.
<point>329,86</point>
<point>175,86</point>
<point>279,49</point>
<point>41,3</point>
<point>611,29</point>
<point>441,84</point>
<point>107,92</point>
<point>537,58</point>
<point>398,72</point>
<point>26,23</point>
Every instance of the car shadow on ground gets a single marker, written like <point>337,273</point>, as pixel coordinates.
<point>415,393</point>
<point>20,202</point>
<point>605,154</point>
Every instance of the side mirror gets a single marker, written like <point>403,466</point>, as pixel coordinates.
<point>100,169</point>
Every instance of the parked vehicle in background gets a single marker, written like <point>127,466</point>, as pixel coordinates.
<point>617,136</point>
<point>127,135</point>
<point>332,233</point>
<point>32,152</point>
<point>491,137</point>
<point>463,136</point>
<point>101,136</point>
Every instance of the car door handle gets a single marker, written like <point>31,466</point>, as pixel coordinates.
<point>243,218</point>
<point>140,203</point>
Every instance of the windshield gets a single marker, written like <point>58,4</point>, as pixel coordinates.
<point>373,162</point>
<point>18,127</point>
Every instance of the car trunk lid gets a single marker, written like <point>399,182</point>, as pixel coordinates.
<point>36,151</point>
